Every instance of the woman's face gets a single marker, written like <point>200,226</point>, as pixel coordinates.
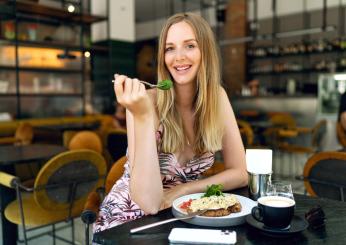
<point>182,54</point>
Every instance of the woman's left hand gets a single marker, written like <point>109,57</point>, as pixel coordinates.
<point>169,195</point>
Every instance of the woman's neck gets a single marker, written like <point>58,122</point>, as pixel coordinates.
<point>185,95</point>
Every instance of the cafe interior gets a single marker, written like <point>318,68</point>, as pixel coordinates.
<point>283,68</point>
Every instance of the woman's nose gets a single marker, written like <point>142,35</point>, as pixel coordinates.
<point>180,54</point>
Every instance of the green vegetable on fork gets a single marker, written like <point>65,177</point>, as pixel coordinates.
<point>163,85</point>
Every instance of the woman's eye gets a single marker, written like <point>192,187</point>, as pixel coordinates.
<point>190,46</point>
<point>168,49</point>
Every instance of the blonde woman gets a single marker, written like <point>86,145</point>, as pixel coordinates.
<point>173,135</point>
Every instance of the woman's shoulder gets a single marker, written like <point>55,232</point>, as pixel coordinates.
<point>223,95</point>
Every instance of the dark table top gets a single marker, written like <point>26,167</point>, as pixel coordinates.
<point>69,126</point>
<point>332,233</point>
<point>11,154</point>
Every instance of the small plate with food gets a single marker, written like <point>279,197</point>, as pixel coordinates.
<point>222,209</point>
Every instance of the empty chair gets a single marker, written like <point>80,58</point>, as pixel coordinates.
<point>95,198</point>
<point>23,136</point>
<point>59,192</point>
<point>324,175</point>
<point>86,140</point>
<point>246,132</point>
<point>292,143</point>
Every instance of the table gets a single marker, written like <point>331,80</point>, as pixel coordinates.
<point>332,233</point>
<point>11,155</point>
<point>69,126</point>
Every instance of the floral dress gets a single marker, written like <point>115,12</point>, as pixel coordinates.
<point>118,206</point>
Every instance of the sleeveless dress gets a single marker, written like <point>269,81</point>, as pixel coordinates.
<point>118,206</point>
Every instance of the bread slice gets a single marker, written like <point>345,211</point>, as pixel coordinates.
<point>236,208</point>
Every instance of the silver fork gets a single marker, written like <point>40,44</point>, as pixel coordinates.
<point>146,83</point>
<point>188,216</point>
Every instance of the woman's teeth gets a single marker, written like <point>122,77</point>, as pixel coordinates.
<point>181,68</point>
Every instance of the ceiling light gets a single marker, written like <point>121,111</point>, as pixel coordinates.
<point>71,8</point>
<point>86,54</point>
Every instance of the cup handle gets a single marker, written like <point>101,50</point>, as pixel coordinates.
<point>257,213</point>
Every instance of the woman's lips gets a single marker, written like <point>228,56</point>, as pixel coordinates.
<point>182,69</point>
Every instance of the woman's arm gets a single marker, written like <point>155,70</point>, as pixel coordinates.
<point>235,174</point>
<point>145,182</point>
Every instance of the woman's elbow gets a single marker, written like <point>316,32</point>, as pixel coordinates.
<point>243,179</point>
<point>151,210</point>
<point>148,205</point>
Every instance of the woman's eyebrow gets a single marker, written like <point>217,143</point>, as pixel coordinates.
<point>185,41</point>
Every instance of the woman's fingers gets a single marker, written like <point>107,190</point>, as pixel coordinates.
<point>128,87</point>
<point>118,85</point>
<point>135,85</point>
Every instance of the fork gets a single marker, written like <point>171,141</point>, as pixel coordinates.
<point>146,83</point>
<point>188,216</point>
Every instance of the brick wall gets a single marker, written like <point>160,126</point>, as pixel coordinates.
<point>234,56</point>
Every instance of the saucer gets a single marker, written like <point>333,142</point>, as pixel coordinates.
<point>298,224</point>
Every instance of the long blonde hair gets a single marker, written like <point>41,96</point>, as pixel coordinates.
<point>207,126</point>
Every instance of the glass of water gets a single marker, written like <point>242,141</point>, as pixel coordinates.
<point>279,188</point>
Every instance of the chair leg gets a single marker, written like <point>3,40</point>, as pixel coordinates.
<point>19,197</point>
<point>72,231</point>
<point>87,234</point>
<point>53,233</point>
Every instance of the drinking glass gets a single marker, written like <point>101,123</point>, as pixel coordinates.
<point>278,188</point>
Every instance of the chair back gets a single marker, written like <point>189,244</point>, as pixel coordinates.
<point>115,173</point>
<point>68,178</point>
<point>24,133</point>
<point>246,132</point>
<point>318,133</point>
<point>86,140</point>
<point>324,175</point>
<point>117,143</point>
<point>283,120</point>
<point>341,134</point>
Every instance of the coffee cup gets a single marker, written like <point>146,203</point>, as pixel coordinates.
<point>274,211</point>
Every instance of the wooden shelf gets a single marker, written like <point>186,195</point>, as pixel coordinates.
<point>41,69</point>
<point>37,10</point>
<point>297,54</point>
<point>42,94</point>
<point>55,44</point>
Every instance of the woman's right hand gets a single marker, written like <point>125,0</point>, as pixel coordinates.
<point>132,95</point>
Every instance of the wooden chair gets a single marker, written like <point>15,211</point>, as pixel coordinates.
<point>91,207</point>
<point>341,134</point>
<point>246,132</point>
<point>289,143</point>
<point>324,175</point>
<point>23,136</point>
<point>59,192</point>
<point>86,140</point>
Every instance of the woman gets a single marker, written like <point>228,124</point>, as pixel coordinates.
<point>173,135</point>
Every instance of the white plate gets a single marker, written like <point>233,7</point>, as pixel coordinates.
<point>229,220</point>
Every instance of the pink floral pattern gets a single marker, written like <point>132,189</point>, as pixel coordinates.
<point>118,206</point>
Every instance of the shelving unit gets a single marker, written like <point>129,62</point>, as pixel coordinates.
<point>273,64</point>
<point>45,60</point>
<point>296,49</point>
